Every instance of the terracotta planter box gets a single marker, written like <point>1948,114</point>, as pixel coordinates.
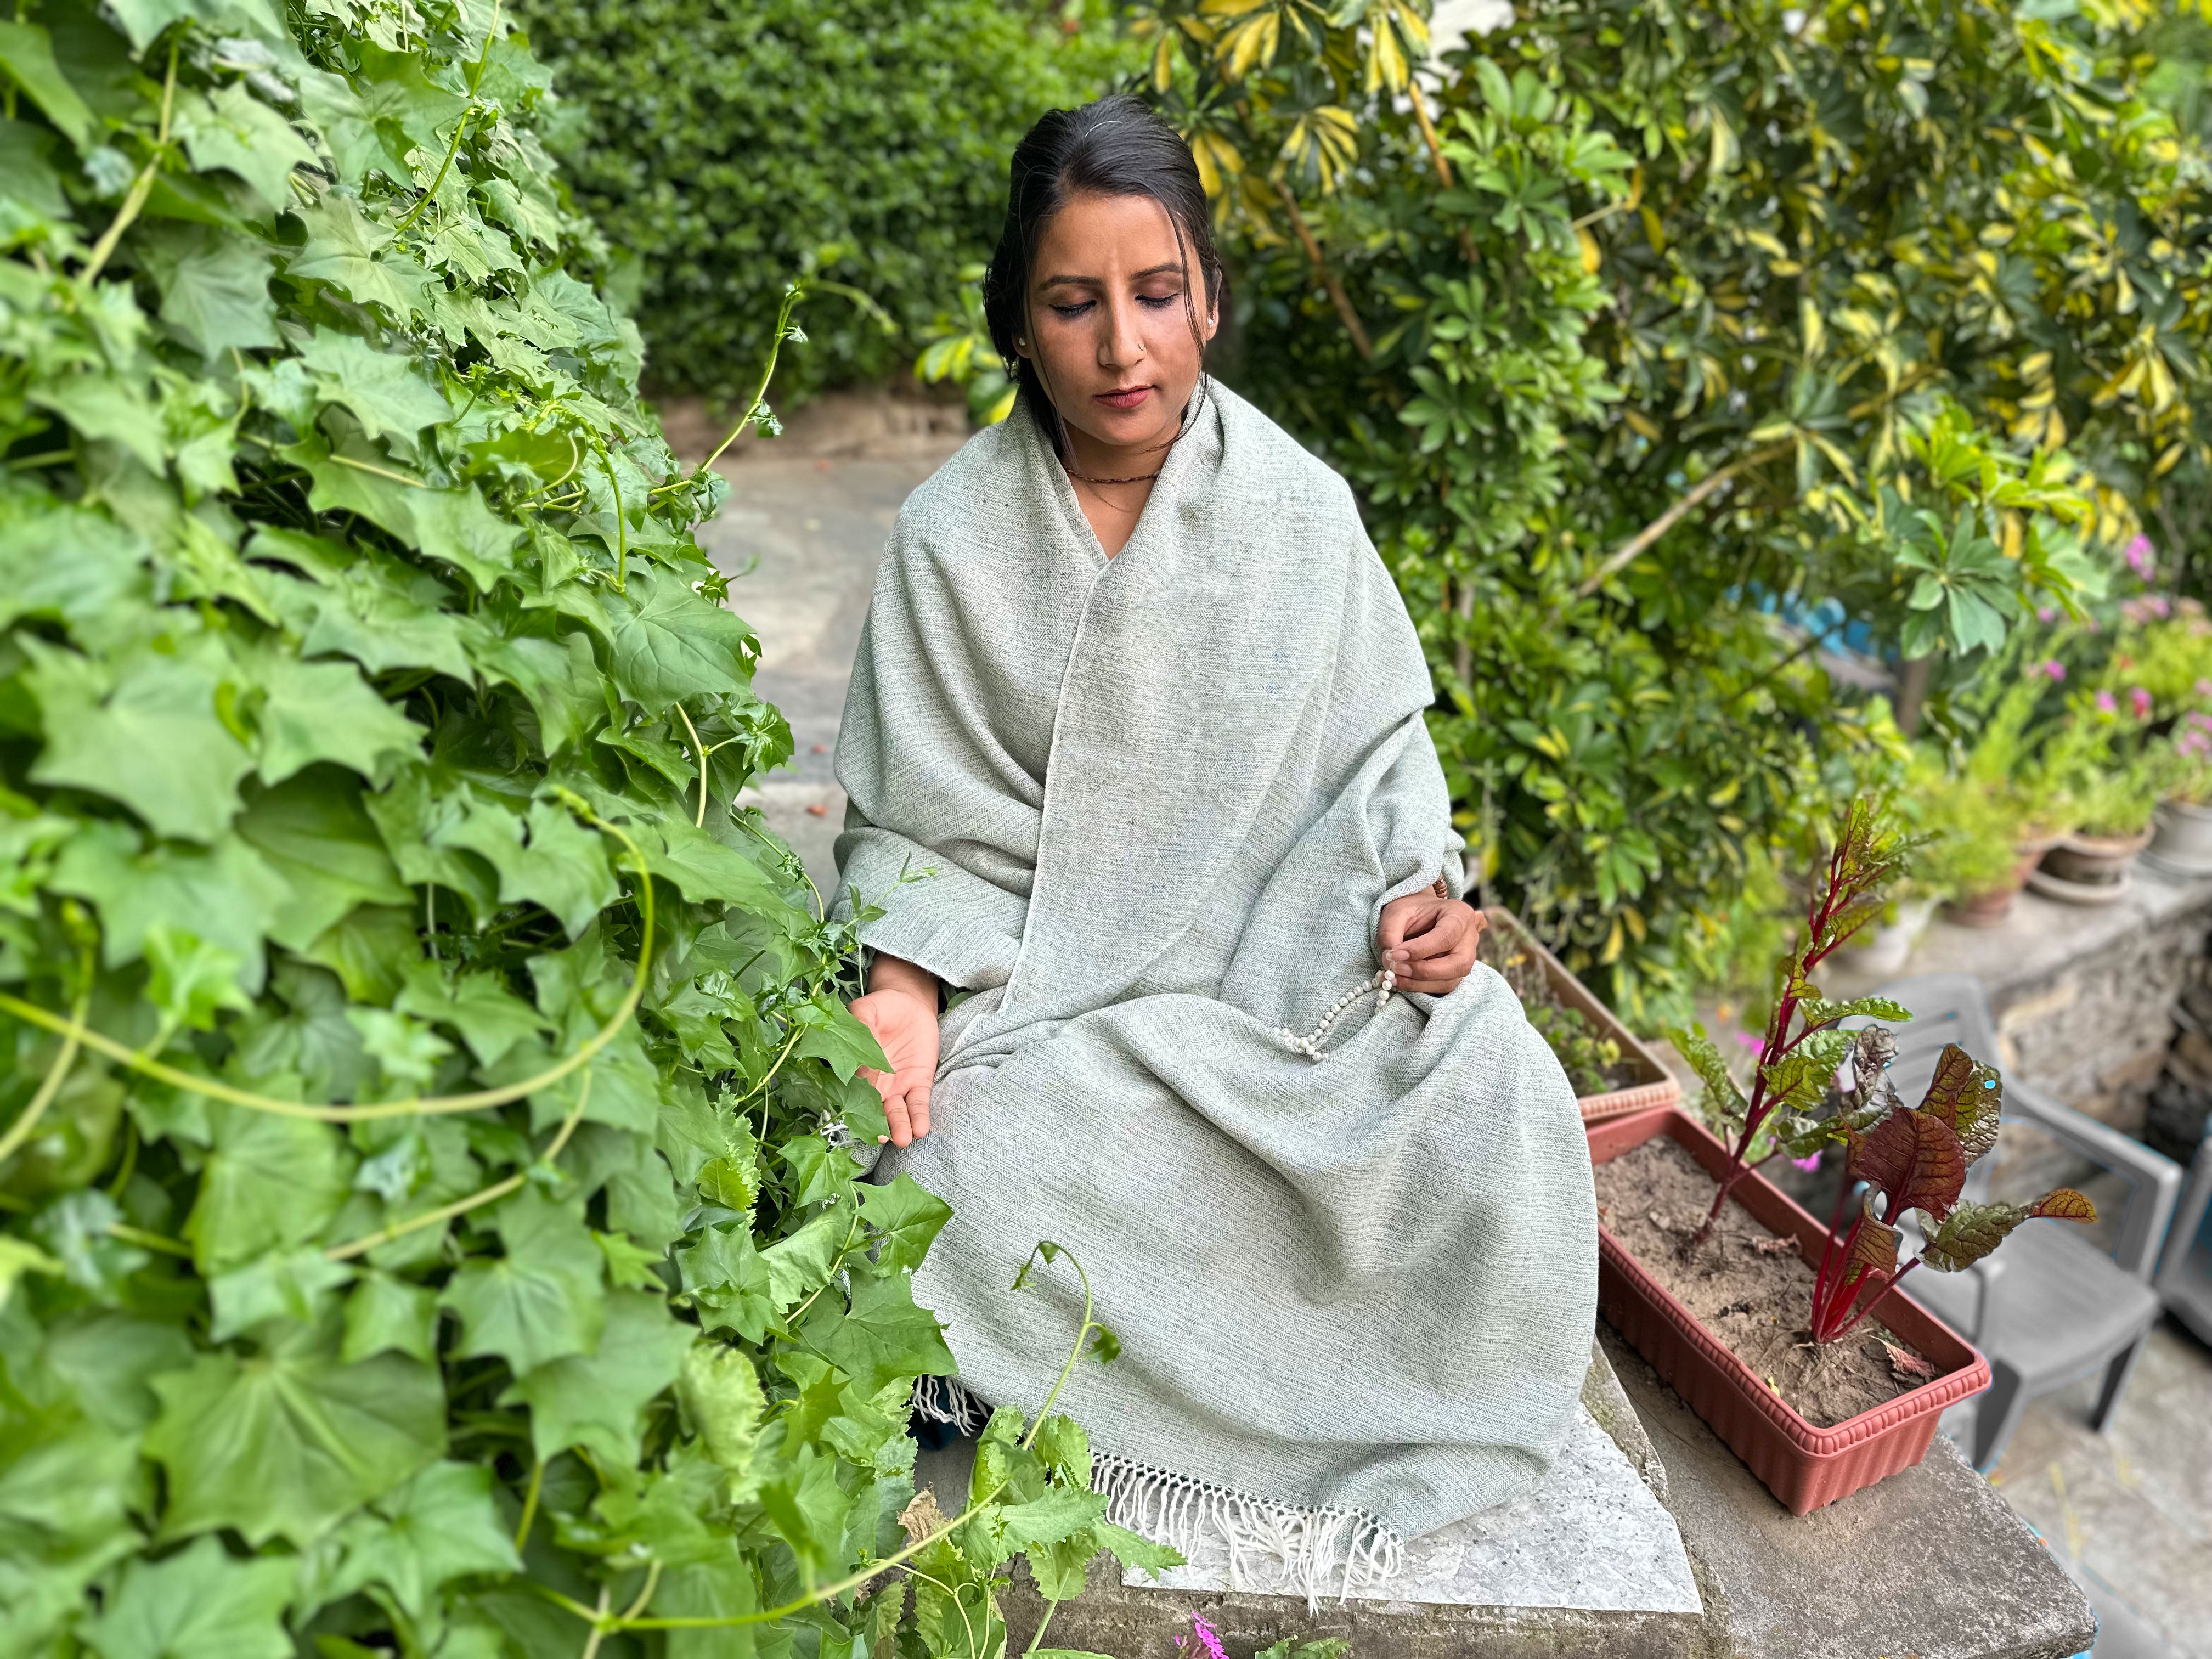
<point>1803,1466</point>
<point>1655,1086</point>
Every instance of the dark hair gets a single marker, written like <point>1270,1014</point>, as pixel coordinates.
<point>1114,146</point>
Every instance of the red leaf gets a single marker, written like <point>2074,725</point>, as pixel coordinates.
<point>1966,1097</point>
<point>1909,1366</point>
<point>1875,1247</point>
<point>1914,1159</point>
<point>2064,1204</point>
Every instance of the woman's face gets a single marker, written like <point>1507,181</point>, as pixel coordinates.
<point>1110,328</point>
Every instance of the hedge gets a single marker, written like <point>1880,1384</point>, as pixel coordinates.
<point>726,149</point>
<point>423,1223</point>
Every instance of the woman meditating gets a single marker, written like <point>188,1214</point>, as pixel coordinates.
<point>1188,990</point>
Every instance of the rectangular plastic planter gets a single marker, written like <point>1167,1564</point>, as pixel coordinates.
<point>1803,1466</point>
<point>1655,1086</point>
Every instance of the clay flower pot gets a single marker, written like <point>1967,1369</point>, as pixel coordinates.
<point>2182,845</point>
<point>1804,1467</point>
<point>2089,869</point>
<point>1992,906</point>
<point>1655,1086</point>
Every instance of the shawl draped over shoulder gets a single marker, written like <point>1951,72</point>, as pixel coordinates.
<point>1164,798</point>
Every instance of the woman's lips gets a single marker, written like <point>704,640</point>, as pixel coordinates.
<point>1128,396</point>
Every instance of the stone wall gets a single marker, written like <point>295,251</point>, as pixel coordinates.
<point>2096,1030</point>
<point>2181,1098</point>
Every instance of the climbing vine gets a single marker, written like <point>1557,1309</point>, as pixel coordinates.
<point>425,1222</point>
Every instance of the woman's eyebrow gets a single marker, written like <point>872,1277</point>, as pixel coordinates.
<point>1172,266</point>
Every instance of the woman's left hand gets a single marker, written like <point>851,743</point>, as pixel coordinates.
<point>1428,941</point>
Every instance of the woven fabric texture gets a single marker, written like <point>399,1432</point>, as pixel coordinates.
<point>1164,798</point>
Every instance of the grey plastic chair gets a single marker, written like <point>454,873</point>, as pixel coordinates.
<point>2049,1306</point>
<point>2184,1284</point>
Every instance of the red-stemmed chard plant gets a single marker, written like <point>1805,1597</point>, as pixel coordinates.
<point>1903,1158</point>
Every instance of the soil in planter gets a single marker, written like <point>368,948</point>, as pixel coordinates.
<point>1592,1062</point>
<point>1750,1288</point>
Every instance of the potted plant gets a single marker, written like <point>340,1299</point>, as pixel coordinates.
<point>1612,1070</point>
<point>1781,1333</point>
<point>2112,776</point>
<point>2169,649</point>
<point>1974,860</point>
<point>2182,844</point>
<point>1987,820</point>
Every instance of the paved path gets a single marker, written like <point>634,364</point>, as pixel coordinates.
<point>799,538</point>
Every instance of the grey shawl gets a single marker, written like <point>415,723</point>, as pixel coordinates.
<point>1165,796</point>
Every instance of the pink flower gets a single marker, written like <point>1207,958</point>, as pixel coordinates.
<point>2161,607</point>
<point>2141,557</point>
<point>1209,1643</point>
<point>1806,1164</point>
<point>2140,699</point>
<point>1751,1039</point>
<point>2203,688</point>
<point>2045,613</point>
<point>2054,669</point>
<point>2105,704</point>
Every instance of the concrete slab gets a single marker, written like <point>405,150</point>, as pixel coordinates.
<point>1597,1536</point>
<point>799,538</point>
<point>1594,1565</point>
<point>1928,1563</point>
<point>2128,1512</point>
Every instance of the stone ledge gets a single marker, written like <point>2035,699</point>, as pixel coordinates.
<point>1930,1564</point>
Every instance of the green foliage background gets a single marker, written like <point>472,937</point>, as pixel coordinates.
<point>423,1227</point>
<point>728,149</point>
<point>1661,341</point>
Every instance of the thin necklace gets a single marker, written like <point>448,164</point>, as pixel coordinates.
<point>1134,477</point>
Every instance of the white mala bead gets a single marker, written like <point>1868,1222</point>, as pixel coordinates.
<point>1380,986</point>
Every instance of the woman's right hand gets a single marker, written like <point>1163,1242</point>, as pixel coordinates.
<point>901,1010</point>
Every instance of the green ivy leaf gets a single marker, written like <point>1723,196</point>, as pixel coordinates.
<point>541,1300</point>
<point>190,980</point>
<point>145,732</point>
<point>233,129</point>
<point>214,289</point>
<point>490,1019</point>
<point>440,1526</point>
<point>322,846</point>
<point>341,249</point>
<point>285,1444</point>
<point>881,1337</point>
<point>562,866</point>
<point>199,1604</point>
<point>455,525</point>
<point>387,1313</point>
<point>286,1286</point>
<point>26,53</point>
<point>669,644</point>
<point>271,1183</point>
<point>906,1218</point>
<point>325,711</point>
<point>596,1400</point>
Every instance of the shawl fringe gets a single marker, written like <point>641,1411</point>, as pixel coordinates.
<point>1328,1549</point>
